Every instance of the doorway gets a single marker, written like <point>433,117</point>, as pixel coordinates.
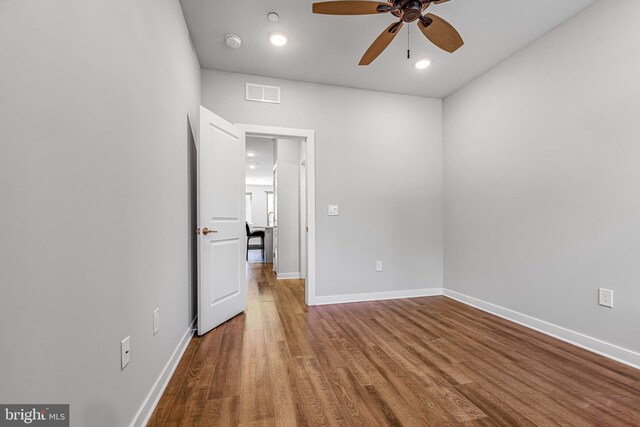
<point>222,214</point>
<point>260,199</point>
<point>288,198</point>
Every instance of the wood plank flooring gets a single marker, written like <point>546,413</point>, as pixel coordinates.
<point>419,362</point>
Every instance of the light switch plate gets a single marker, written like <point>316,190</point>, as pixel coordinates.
<point>156,321</point>
<point>333,210</point>
<point>125,352</point>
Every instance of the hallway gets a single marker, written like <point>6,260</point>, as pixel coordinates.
<point>421,362</point>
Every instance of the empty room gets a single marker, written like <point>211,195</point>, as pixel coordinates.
<point>319,213</point>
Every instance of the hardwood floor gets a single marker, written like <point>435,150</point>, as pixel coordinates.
<point>419,362</point>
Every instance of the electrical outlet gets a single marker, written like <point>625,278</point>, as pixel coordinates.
<point>378,265</point>
<point>125,352</point>
<point>605,297</point>
<point>156,321</point>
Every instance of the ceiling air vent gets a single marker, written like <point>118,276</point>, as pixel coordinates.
<point>262,93</point>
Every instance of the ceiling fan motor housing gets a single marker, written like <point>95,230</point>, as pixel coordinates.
<point>409,10</point>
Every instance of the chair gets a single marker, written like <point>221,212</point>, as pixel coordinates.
<point>252,234</point>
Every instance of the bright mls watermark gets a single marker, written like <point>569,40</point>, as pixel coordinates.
<point>34,415</point>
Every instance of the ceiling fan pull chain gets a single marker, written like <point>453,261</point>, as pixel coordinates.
<point>408,46</point>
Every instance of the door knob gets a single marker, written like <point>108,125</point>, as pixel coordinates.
<point>206,231</point>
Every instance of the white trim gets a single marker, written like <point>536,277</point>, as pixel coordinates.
<point>583,341</point>
<point>283,276</point>
<point>377,296</point>
<point>149,404</point>
<point>310,137</point>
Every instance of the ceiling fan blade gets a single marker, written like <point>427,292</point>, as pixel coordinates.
<point>351,7</point>
<point>440,32</point>
<point>381,43</point>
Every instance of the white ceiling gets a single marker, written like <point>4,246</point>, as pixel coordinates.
<point>263,161</point>
<point>327,49</point>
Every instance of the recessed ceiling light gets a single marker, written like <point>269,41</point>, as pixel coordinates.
<point>278,39</point>
<point>232,41</point>
<point>422,63</point>
<point>251,155</point>
<point>252,166</point>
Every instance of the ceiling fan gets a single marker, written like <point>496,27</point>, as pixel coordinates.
<point>436,29</point>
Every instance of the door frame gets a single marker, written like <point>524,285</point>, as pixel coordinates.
<point>310,137</point>
<point>302,212</point>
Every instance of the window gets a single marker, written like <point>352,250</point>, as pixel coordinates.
<point>247,207</point>
<point>271,215</point>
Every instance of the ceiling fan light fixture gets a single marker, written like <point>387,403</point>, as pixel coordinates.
<point>278,39</point>
<point>422,64</point>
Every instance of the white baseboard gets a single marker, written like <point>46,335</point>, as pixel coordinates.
<point>611,351</point>
<point>377,296</point>
<point>150,402</point>
<point>284,276</point>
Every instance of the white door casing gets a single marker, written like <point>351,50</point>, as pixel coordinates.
<point>221,218</point>
<point>310,153</point>
<point>303,216</point>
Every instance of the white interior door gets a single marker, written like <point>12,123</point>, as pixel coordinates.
<point>222,237</point>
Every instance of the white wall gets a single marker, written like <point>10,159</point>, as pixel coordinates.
<point>379,157</point>
<point>259,203</point>
<point>94,104</point>
<point>542,178</point>
<point>288,207</point>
